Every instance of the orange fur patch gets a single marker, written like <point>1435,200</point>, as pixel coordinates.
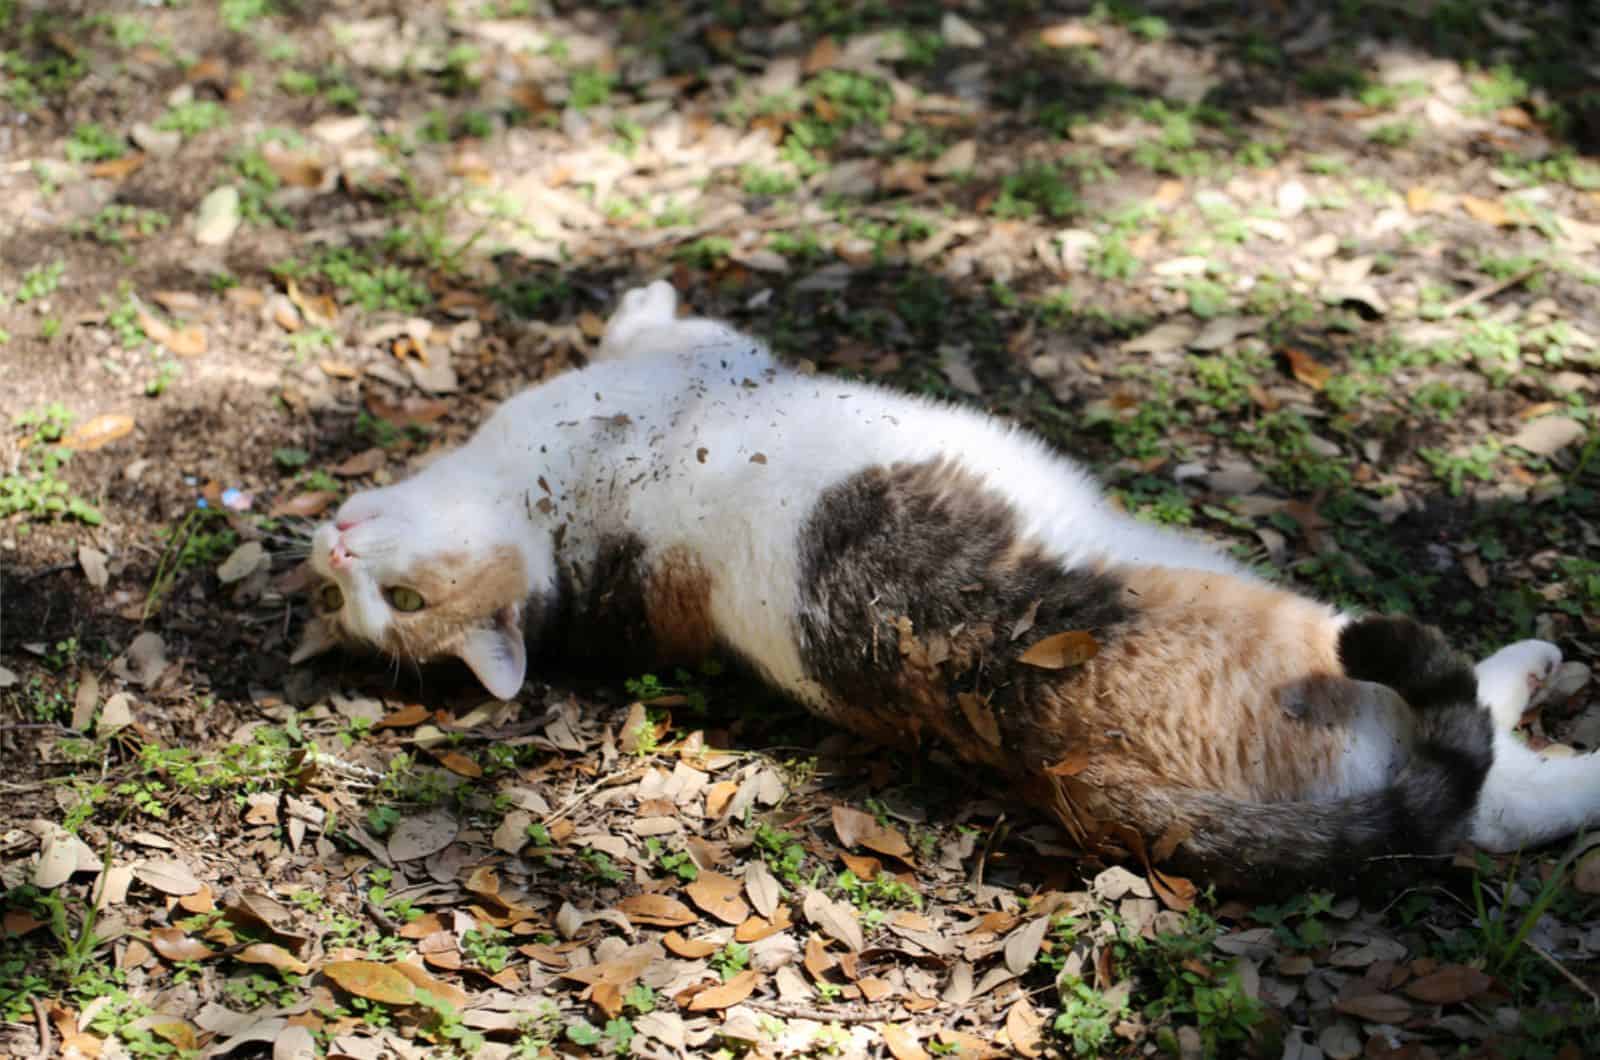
<point>677,602</point>
<point>1219,683</point>
<point>461,592</point>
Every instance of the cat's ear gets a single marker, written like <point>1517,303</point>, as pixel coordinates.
<point>497,654</point>
<point>318,638</point>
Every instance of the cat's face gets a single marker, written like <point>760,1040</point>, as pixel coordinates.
<point>423,576</point>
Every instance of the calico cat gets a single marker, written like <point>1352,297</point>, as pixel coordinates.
<point>889,562</point>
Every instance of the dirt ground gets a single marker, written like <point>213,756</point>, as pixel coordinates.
<point>1318,280</point>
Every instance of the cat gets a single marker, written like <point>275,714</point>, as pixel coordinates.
<point>889,562</point>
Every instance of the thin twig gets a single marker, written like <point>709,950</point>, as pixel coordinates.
<point>1565,974</point>
<point>44,1026</point>
<point>800,1011</point>
<point>572,803</point>
<point>1472,298</point>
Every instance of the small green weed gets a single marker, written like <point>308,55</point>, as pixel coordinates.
<point>783,853</point>
<point>193,117</point>
<point>1037,188</point>
<point>678,862</point>
<point>35,489</point>
<point>118,223</point>
<point>93,142</point>
<point>40,281</point>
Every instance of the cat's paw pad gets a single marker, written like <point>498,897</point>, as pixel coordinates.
<point>1508,679</point>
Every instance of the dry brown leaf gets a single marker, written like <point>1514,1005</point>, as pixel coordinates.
<point>117,168</point>
<point>728,994</point>
<point>1061,650</point>
<point>1175,892</point>
<point>298,170</point>
<point>440,950</point>
<point>320,309</point>
<point>689,949</point>
<point>363,463</point>
<point>99,432</point>
<point>483,881</point>
<point>371,980</point>
<point>621,970</point>
<point>1586,875</point>
<point>168,877</point>
<point>176,945</point>
<point>15,923</point>
<point>862,829</point>
<point>1449,985</point>
<point>1375,1008</point>
<point>980,717</point>
<point>1306,368</point>
<point>657,910</point>
<point>186,342</point>
<point>404,718</point>
<point>864,867</point>
<point>456,997</point>
<point>420,928</point>
<point>757,928</point>
<point>274,956</point>
<point>637,731</point>
<point>762,887</point>
<point>1073,34</point>
<point>822,55</point>
<point>412,412</point>
<point>1419,198</point>
<point>459,764</point>
<point>176,1032</point>
<point>1025,1028</point>
<point>306,505</point>
<point>717,796</point>
<point>901,1043</point>
<point>836,919</point>
<point>818,961</point>
<point>422,834</point>
<point>1022,945</point>
<point>338,369</point>
<point>1488,211</point>
<point>719,896</point>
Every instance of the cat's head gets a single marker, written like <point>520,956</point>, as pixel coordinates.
<point>424,570</point>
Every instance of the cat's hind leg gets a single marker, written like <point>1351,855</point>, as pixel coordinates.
<point>1528,798</point>
<point>642,310</point>
<point>1508,679</point>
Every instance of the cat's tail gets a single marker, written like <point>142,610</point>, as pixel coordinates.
<point>1425,810</point>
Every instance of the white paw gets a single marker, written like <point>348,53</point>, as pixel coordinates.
<point>641,310</point>
<point>1508,679</point>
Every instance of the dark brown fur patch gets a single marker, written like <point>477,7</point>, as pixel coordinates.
<point>677,600</point>
<point>914,579</point>
<point>638,610</point>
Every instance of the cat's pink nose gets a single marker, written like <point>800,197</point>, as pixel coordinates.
<point>338,556</point>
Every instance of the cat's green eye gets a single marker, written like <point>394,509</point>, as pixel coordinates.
<point>404,598</point>
<point>331,598</point>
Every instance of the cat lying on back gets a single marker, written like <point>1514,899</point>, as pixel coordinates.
<point>887,561</point>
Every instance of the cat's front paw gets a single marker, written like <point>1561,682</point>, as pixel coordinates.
<point>641,310</point>
<point>1508,679</point>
